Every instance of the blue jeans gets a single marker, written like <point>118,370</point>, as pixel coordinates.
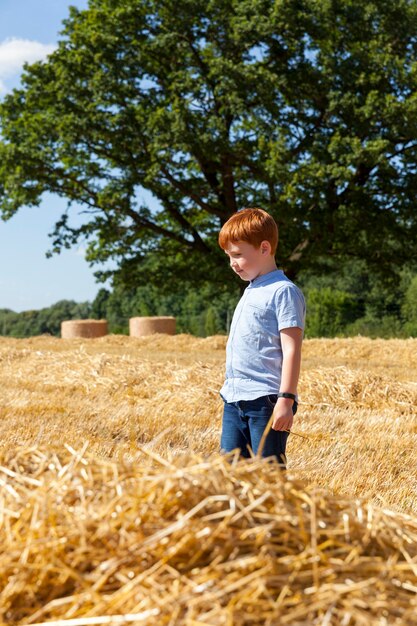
<point>244,423</point>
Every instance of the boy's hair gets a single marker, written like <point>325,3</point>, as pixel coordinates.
<point>251,225</point>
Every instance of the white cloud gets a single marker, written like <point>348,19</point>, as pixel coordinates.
<point>15,52</point>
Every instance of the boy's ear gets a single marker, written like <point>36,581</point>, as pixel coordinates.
<point>265,247</point>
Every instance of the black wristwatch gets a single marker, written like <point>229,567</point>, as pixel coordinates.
<point>285,394</point>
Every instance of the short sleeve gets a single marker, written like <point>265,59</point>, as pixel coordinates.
<point>290,307</point>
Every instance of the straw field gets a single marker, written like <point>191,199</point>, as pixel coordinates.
<point>115,506</point>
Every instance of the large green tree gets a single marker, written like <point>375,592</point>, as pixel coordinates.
<point>161,118</point>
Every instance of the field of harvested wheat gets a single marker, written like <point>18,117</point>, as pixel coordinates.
<point>115,506</point>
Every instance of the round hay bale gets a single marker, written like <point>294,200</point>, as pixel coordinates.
<point>73,329</point>
<point>142,326</point>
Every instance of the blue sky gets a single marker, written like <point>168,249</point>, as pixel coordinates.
<point>29,30</point>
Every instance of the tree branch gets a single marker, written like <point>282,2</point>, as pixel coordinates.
<point>144,223</point>
<point>181,186</point>
<point>181,220</point>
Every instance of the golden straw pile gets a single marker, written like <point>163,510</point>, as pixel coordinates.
<point>115,506</point>
<point>194,541</point>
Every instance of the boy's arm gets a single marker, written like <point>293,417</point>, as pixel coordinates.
<point>291,340</point>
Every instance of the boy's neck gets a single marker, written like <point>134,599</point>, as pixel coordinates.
<point>269,267</point>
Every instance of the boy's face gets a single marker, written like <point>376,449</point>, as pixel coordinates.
<point>246,260</point>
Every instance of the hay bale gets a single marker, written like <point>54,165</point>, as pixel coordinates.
<point>73,329</point>
<point>142,326</point>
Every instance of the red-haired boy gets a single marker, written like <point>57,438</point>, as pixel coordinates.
<point>263,353</point>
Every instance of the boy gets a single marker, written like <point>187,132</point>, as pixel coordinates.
<point>263,352</point>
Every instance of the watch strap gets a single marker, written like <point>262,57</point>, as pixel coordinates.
<point>285,394</point>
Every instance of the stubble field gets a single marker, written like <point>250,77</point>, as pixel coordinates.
<point>115,502</point>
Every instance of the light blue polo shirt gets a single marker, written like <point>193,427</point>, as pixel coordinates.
<point>269,303</point>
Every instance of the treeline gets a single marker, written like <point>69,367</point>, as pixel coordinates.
<point>199,313</point>
<point>345,303</point>
<point>43,321</point>
<point>351,301</point>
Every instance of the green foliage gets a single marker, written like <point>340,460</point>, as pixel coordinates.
<point>329,312</point>
<point>211,322</point>
<point>99,305</point>
<point>347,303</point>
<point>160,119</point>
<point>386,327</point>
<point>409,308</point>
<point>348,300</point>
<point>201,312</point>
<point>44,321</point>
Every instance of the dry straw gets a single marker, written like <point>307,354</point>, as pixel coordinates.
<point>357,415</point>
<point>194,541</point>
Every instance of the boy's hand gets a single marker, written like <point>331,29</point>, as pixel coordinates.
<point>283,417</point>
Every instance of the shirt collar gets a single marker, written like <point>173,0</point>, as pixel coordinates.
<point>265,278</point>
